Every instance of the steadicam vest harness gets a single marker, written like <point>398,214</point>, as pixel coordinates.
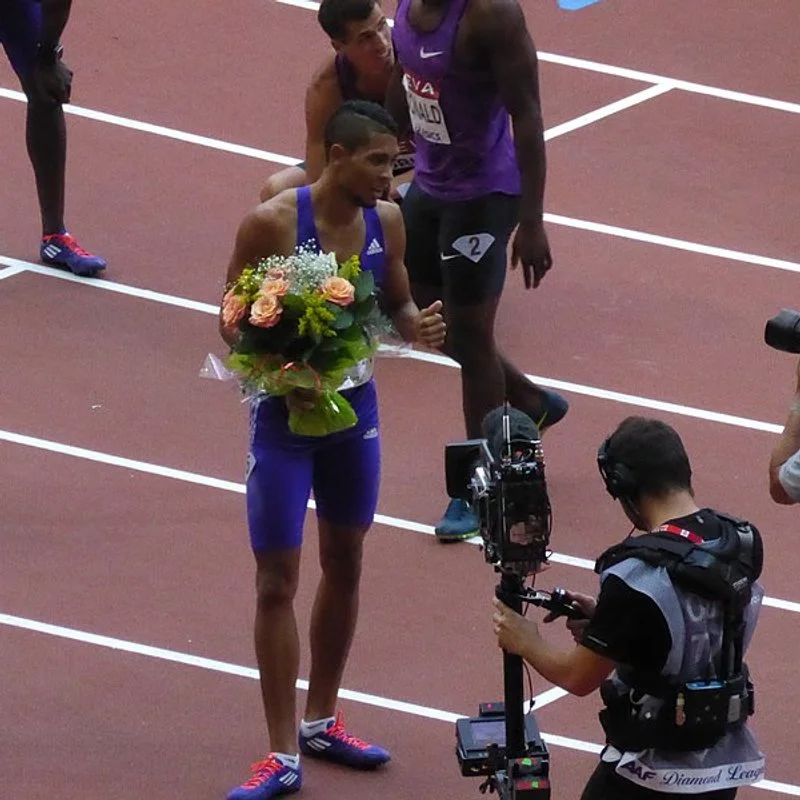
<point>680,715</point>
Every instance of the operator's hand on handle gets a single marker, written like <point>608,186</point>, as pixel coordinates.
<point>514,632</point>
<point>586,605</point>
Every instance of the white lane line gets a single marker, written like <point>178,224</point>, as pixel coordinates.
<point>621,397</point>
<point>377,701</point>
<point>197,479</point>
<point>607,111</point>
<point>433,358</point>
<point>160,130</point>
<point>631,74</point>
<point>9,272</point>
<point>555,219</point>
<point>109,286</point>
<point>669,241</point>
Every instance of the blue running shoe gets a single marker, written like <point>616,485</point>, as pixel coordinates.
<point>271,778</point>
<point>458,522</point>
<point>61,250</point>
<point>335,744</point>
<point>556,408</point>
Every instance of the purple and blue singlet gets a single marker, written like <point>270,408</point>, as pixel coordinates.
<point>342,469</point>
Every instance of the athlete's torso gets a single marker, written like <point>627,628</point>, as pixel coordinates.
<point>373,252</point>
<point>462,129</point>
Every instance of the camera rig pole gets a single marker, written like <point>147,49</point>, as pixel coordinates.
<point>509,592</point>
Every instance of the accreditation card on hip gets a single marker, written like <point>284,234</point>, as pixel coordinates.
<point>426,114</point>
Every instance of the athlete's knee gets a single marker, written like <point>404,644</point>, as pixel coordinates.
<point>277,578</point>
<point>341,551</point>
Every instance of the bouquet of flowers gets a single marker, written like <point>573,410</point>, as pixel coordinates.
<point>305,322</point>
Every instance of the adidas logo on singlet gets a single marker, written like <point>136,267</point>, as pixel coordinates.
<point>374,248</point>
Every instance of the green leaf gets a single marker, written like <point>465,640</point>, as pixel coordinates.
<point>343,320</point>
<point>364,285</point>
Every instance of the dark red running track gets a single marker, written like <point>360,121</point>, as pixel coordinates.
<point>153,551</point>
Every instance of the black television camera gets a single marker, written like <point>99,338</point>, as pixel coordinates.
<point>782,332</point>
<point>502,477</point>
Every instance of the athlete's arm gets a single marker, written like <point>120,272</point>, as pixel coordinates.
<point>396,102</point>
<point>503,38</point>
<point>579,671</point>
<point>323,97</point>
<point>426,326</point>
<point>259,234</point>
<point>55,14</point>
<point>784,463</point>
<point>514,64</point>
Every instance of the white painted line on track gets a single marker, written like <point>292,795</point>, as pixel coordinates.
<point>377,701</point>
<point>671,242</point>
<point>631,74</point>
<point>197,479</point>
<point>554,219</point>
<point>9,272</point>
<point>608,110</point>
<point>160,130</point>
<point>109,286</point>
<point>431,358</point>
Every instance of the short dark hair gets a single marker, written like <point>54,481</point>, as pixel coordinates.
<point>334,15</point>
<point>355,122</point>
<point>654,453</point>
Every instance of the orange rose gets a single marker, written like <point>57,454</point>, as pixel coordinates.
<point>233,309</point>
<point>338,290</point>
<point>276,273</point>
<point>266,311</point>
<point>275,286</point>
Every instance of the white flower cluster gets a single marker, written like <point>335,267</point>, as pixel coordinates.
<point>306,268</point>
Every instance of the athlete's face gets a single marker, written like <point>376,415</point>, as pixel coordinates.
<point>366,173</point>
<point>368,43</point>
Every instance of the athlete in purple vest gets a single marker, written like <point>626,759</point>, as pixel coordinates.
<point>30,31</point>
<point>341,213</point>
<point>467,70</point>
<point>359,69</point>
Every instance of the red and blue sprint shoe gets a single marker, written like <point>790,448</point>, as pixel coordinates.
<point>61,250</point>
<point>335,744</point>
<point>271,778</point>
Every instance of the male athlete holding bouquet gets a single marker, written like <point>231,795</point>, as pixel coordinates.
<point>340,213</point>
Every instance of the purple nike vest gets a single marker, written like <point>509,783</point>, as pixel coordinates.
<point>461,127</point>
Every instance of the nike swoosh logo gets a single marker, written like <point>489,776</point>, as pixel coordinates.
<point>423,54</point>
<point>443,257</point>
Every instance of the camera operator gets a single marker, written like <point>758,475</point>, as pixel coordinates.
<point>784,464</point>
<point>647,637</point>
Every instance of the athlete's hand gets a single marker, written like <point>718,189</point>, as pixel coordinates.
<point>301,400</point>
<point>53,83</point>
<point>531,249</point>
<point>431,328</point>
<point>514,632</point>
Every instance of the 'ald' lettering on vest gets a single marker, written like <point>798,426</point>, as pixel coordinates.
<point>426,114</point>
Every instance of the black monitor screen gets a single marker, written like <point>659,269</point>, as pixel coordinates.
<point>489,732</point>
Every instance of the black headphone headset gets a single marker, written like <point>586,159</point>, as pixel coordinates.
<point>619,478</point>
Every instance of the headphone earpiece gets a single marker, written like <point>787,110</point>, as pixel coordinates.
<point>620,480</point>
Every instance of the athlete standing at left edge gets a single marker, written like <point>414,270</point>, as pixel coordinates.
<point>30,32</point>
<point>340,213</point>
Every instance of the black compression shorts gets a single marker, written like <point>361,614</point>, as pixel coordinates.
<point>459,247</point>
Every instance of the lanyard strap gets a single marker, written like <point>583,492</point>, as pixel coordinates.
<point>684,534</point>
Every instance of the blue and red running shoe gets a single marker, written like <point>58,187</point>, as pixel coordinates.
<point>271,778</point>
<point>61,250</point>
<point>335,744</point>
